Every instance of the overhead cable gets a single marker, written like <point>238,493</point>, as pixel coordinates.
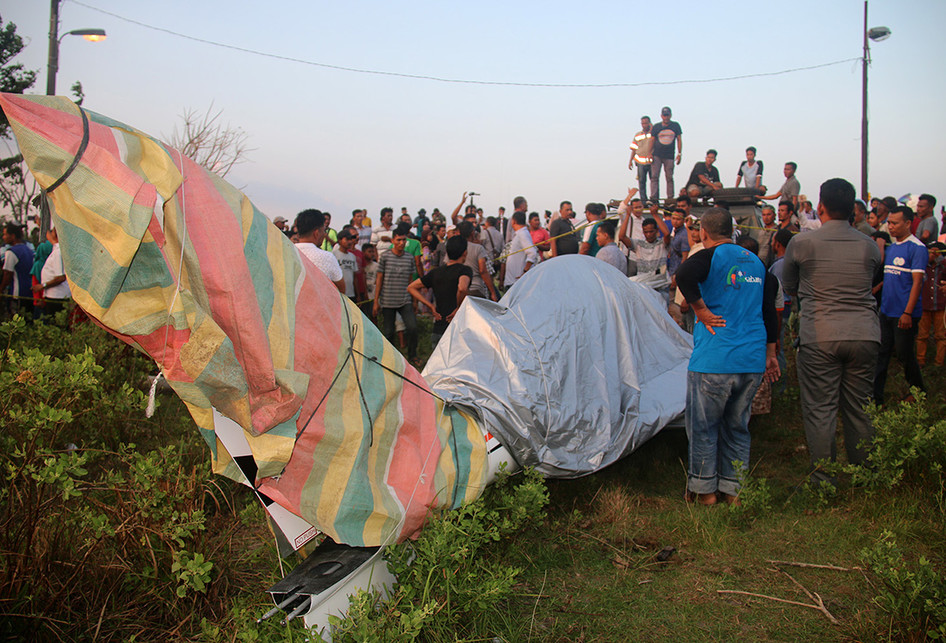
<point>463,81</point>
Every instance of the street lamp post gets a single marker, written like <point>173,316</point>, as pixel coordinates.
<point>52,67</point>
<point>876,34</point>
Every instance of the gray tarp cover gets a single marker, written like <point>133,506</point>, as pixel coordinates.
<point>574,368</point>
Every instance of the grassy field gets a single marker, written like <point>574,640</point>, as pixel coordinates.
<point>140,541</point>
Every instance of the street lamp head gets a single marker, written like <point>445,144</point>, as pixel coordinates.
<point>878,33</point>
<point>92,35</point>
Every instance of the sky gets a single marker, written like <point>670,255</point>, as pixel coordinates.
<point>339,140</point>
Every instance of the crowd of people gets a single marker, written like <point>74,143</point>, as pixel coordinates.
<point>865,282</point>
<point>33,281</point>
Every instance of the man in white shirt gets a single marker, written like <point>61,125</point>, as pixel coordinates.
<point>522,254</point>
<point>348,261</point>
<point>382,235</point>
<point>310,226</point>
<point>53,284</point>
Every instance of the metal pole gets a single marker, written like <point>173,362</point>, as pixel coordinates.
<point>864,63</point>
<point>52,66</point>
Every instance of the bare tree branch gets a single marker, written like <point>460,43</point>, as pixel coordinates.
<point>208,141</point>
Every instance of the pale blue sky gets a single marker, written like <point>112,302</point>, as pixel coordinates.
<point>338,140</point>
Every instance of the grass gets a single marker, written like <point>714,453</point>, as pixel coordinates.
<point>593,574</point>
<point>620,556</point>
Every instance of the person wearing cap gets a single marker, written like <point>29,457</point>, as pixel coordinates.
<point>419,222</point>
<point>280,222</point>
<point>830,270</point>
<point>789,190</point>
<point>667,136</point>
<point>641,153</point>
<point>934,306</point>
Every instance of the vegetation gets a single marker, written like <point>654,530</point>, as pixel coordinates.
<point>112,528</point>
<point>17,187</point>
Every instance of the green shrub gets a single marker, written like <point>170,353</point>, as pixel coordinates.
<point>86,520</point>
<point>908,447</point>
<point>914,595</point>
<point>451,576</point>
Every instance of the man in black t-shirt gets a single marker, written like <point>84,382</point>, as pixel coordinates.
<point>567,244</point>
<point>449,282</point>
<point>667,135</point>
<point>704,179</point>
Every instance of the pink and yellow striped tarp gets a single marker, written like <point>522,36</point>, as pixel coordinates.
<point>172,259</point>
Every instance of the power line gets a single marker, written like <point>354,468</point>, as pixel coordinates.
<point>463,81</point>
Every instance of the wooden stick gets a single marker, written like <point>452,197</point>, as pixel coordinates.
<point>815,598</point>
<point>812,565</point>
<point>780,600</point>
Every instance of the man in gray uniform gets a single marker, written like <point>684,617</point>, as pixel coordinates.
<point>831,269</point>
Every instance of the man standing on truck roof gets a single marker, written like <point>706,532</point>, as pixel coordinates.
<point>641,149</point>
<point>667,134</point>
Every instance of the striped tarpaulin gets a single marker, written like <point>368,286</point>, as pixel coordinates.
<point>172,259</point>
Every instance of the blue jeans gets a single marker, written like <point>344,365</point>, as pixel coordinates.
<point>717,422</point>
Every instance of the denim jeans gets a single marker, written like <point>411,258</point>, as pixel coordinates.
<point>717,423</point>
<point>410,327</point>
<point>643,172</point>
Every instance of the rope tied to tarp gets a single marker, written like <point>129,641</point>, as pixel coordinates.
<point>44,213</point>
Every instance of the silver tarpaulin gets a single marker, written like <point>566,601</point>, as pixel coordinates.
<point>574,368</point>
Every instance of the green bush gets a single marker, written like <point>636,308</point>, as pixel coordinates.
<point>452,575</point>
<point>909,448</point>
<point>86,519</point>
<point>914,595</point>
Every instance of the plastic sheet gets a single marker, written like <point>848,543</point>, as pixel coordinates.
<point>573,369</point>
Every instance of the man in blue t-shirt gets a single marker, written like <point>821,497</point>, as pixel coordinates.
<point>900,306</point>
<point>733,298</point>
<point>16,282</point>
